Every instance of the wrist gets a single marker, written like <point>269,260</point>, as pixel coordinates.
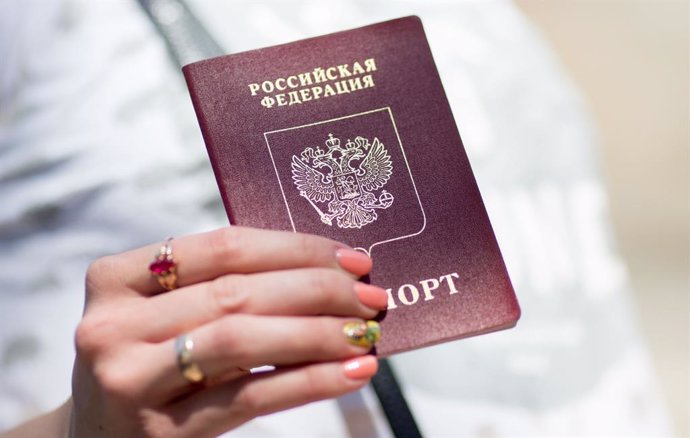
<point>54,424</point>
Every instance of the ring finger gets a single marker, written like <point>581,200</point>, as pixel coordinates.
<point>214,410</point>
<point>225,345</point>
<point>297,292</point>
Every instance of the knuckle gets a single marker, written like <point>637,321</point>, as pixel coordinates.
<point>157,425</point>
<point>226,340</point>
<point>117,381</point>
<point>94,332</point>
<point>228,294</point>
<point>313,384</point>
<point>327,284</point>
<point>311,248</point>
<point>164,423</point>
<point>84,339</point>
<point>322,350</point>
<point>252,402</point>
<point>226,243</point>
<point>99,271</point>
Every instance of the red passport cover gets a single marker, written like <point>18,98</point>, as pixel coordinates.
<point>350,136</point>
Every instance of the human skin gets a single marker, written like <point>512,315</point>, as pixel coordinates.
<point>247,298</point>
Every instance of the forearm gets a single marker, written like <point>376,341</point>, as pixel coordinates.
<point>54,424</point>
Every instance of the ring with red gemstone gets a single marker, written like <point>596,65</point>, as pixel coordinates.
<point>164,267</point>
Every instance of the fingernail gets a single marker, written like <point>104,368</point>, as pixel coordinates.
<point>371,296</point>
<point>361,367</point>
<point>354,261</point>
<point>363,334</point>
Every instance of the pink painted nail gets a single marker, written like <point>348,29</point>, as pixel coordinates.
<point>361,368</point>
<point>354,261</point>
<point>372,296</point>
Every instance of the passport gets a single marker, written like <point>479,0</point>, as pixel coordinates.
<point>350,136</point>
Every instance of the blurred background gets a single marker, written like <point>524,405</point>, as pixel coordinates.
<point>630,61</point>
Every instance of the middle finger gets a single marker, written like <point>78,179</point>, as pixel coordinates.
<point>243,342</point>
<point>311,291</point>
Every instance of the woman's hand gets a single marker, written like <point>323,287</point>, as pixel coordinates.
<point>246,298</point>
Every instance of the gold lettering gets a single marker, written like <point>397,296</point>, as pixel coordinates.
<point>294,98</point>
<point>408,294</point>
<point>403,297</point>
<point>428,286</point>
<point>355,84</point>
<point>304,79</point>
<point>368,81</point>
<point>280,98</point>
<point>292,82</point>
<point>449,280</point>
<point>357,68</point>
<point>391,301</point>
<point>254,88</point>
<point>370,64</point>
<point>268,101</point>
<point>341,87</point>
<point>333,82</point>
<point>319,75</point>
<point>305,94</point>
<point>343,72</point>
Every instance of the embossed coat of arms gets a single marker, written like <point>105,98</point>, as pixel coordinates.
<point>345,180</point>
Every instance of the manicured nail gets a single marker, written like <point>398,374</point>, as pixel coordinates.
<point>354,261</point>
<point>371,296</point>
<point>361,367</point>
<point>363,334</point>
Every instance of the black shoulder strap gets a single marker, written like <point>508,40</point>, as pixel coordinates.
<point>188,41</point>
<point>393,402</point>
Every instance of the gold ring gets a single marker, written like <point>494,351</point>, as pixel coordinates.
<point>164,267</point>
<point>183,352</point>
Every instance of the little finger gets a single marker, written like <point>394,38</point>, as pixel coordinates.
<point>215,410</point>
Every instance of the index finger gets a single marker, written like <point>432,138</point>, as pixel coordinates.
<point>241,250</point>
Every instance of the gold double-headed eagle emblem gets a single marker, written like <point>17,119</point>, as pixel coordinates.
<point>346,177</point>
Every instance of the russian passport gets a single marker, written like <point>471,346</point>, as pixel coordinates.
<point>350,136</point>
